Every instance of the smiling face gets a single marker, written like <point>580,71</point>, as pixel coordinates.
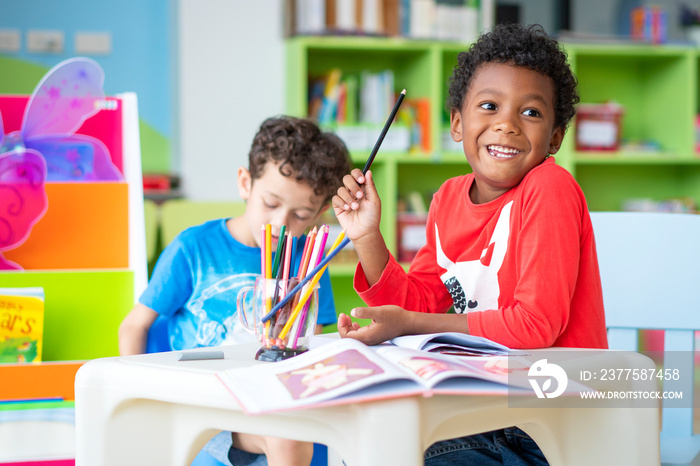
<point>275,199</point>
<point>506,126</point>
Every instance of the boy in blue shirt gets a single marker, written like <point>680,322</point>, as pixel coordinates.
<point>293,171</point>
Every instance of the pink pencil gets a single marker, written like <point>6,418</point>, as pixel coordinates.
<point>322,248</point>
<point>287,257</point>
<point>316,252</point>
<point>316,258</point>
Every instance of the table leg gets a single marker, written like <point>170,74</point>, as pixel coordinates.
<point>576,436</point>
<point>390,433</point>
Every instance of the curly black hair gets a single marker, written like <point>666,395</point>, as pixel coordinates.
<point>302,151</point>
<point>529,47</point>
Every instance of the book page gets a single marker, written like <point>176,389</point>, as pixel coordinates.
<point>320,376</point>
<point>447,341</point>
<point>434,368</point>
<point>342,371</point>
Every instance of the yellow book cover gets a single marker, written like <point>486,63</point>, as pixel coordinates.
<point>21,324</point>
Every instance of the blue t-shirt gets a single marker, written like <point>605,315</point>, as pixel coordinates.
<point>196,281</point>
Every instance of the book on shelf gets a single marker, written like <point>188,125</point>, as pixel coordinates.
<point>410,235</point>
<point>425,19</point>
<point>346,15</point>
<point>455,21</point>
<point>21,324</point>
<point>342,371</point>
<point>411,225</point>
<point>372,16</point>
<point>420,125</point>
<point>355,106</point>
<point>309,16</point>
<point>377,96</point>
<point>329,105</point>
<point>447,144</point>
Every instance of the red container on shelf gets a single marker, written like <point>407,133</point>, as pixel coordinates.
<point>410,230</point>
<point>599,127</point>
<point>156,181</point>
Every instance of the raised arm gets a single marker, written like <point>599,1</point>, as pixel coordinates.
<point>358,208</point>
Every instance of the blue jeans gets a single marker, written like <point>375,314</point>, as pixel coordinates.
<point>243,458</point>
<point>510,446</point>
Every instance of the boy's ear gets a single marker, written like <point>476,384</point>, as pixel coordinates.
<point>556,140</point>
<point>245,183</point>
<point>456,125</point>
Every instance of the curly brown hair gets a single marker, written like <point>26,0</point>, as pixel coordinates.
<point>302,151</point>
<point>529,47</point>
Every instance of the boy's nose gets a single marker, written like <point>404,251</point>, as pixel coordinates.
<point>506,124</point>
<point>277,222</point>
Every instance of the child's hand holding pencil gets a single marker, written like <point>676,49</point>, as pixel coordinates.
<point>358,206</point>
<point>359,210</point>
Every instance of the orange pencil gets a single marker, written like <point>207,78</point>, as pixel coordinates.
<point>306,258</point>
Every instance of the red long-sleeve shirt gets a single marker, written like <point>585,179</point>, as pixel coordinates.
<point>528,281</point>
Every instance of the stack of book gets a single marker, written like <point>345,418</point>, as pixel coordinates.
<point>355,107</point>
<point>421,19</point>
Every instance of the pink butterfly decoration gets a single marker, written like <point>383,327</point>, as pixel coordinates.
<point>46,148</point>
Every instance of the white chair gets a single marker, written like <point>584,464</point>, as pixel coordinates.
<point>650,271</point>
<point>179,214</point>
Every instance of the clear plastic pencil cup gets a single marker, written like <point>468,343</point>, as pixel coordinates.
<point>288,332</point>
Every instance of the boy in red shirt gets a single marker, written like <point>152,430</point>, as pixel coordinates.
<point>509,245</point>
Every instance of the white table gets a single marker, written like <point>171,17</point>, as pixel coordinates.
<point>156,410</point>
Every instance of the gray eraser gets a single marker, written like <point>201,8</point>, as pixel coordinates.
<point>201,355</point>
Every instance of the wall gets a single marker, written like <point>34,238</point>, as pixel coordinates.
<point>140,59</point>
<point>542,12</point>
<point>231,77</point>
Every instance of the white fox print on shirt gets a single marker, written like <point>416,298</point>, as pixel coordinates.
<point>474,284</point>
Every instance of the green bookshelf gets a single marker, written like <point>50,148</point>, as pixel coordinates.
<point>657,85</point>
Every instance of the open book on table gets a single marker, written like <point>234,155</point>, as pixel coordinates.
<point>454,343</point>
<point>347,371</point>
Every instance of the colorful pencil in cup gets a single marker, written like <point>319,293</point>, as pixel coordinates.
<point>316,259</point>
<point>311,278</point>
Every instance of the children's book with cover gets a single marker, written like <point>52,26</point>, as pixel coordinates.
<point>348,371</point>
<point>21,324</point>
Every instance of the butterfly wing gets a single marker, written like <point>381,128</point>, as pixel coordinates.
<point>6,264</point>
<point>75,158</point>
<point>68,94</point>
<point>23,199</point>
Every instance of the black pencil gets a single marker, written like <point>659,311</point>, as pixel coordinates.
<point>345,241</point>
<point>384,130</point>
